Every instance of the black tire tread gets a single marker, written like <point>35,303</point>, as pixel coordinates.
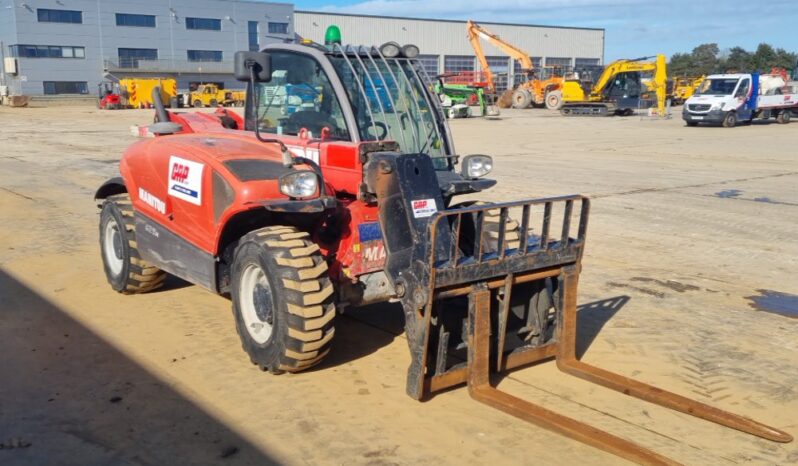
<point>512,235</point>
<point>142,276</point>
<point>308,296</point>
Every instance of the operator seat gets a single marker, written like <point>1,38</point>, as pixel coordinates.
<point>301,73</point>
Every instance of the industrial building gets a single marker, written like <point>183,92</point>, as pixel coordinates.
<point>68,46</point>
<point>56,47</point>
<point>444,44</point>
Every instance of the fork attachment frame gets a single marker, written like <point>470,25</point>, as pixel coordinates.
<point>486,278</point>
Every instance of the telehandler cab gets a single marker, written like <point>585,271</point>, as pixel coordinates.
<point>350,201</point>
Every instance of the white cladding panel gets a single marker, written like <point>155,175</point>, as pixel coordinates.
<point>436,37</point>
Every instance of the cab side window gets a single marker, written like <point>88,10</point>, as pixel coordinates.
<point>742,91</point>
<point>299,96</point>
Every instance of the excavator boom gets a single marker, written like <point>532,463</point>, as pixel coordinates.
<point>532,91</point>
<point>477,32</point>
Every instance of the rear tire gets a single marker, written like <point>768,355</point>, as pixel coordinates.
<point>197,103</point>
<point>124,268</point>
<point>522,98</point>
<point>214,103</point>
<point>554,100</point>
<point>282,299</point>
<point>784,117</point>
<point>730,120</point>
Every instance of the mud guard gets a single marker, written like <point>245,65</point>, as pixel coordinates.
<point>112,186</point>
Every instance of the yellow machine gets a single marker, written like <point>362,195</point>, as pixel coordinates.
<point>137,92</point>
<point>211,95</point>
<point>618,90</point>
<point>683,88</point>
<point>533,91</point>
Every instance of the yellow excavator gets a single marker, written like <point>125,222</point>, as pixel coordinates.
<point>541,82</point>
<point>684,87</point>
<point>618,91</point>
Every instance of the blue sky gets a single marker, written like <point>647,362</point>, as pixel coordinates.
<point>633,27</point>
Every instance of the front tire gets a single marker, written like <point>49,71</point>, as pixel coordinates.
<point>197,103</point>
<point>554,100</point>
<point>282,299</point>
<point>124,268</point>
<point>490,231</point>
<point>522,98</point>
<point>730,120</point>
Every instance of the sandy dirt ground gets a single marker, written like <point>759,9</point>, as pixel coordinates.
<point>687,224</point>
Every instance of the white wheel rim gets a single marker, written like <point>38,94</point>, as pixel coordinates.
<point>112,247</point>
<point>256,304</point>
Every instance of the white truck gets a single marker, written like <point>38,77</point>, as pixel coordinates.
<point>726,99</point>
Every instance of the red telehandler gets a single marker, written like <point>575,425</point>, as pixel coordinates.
<point>303,207</point>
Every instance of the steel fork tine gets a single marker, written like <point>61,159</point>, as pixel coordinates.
<point>567,362</point>
<point>480,389</point>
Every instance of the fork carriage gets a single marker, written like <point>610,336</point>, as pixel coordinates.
<point>545,267</point>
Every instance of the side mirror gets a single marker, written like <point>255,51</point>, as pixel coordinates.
<point>259,62</point>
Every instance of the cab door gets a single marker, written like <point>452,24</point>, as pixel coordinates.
<point>744,101</point>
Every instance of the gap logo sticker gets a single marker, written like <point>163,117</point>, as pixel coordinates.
<point>424,208</point>
<point>152,200</point>
<point>185,179</point>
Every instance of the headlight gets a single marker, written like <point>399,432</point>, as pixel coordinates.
<point>718,106</point>
<point>299,184</point>
<point>390,49</point>
<point>410,51</point>
<point>475,166</point>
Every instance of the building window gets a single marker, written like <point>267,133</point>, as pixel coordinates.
<point>278,28</point>
<point>586,61</point>
<point>46,51</point>
<point>558,61</point>
<point>429,63</point>
<point>59,16</point>
<point>252,31</point>
<point>457,63</point>
<point>206,24</point>
<point>536,63</point>
<point>500,66</point>
<point>142,21</point>
<point>65,87</point>
<point>520,77</point>
<point>129,58</point>
<point>204,55</point>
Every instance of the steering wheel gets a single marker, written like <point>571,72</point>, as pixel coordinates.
<point>311,120</point>
<point>379,125</point>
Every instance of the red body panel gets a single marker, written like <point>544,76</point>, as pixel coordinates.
<point>170,180</point>
<point>109,99</point>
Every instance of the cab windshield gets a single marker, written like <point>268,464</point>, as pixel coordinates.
<point>390,102</point>
<point>718,86</point>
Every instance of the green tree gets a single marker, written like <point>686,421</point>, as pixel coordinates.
<point>705,59</point>
<point>681,64</point>
<point>764,58</point>
<point>785,59</point>
<point>738,60</point>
